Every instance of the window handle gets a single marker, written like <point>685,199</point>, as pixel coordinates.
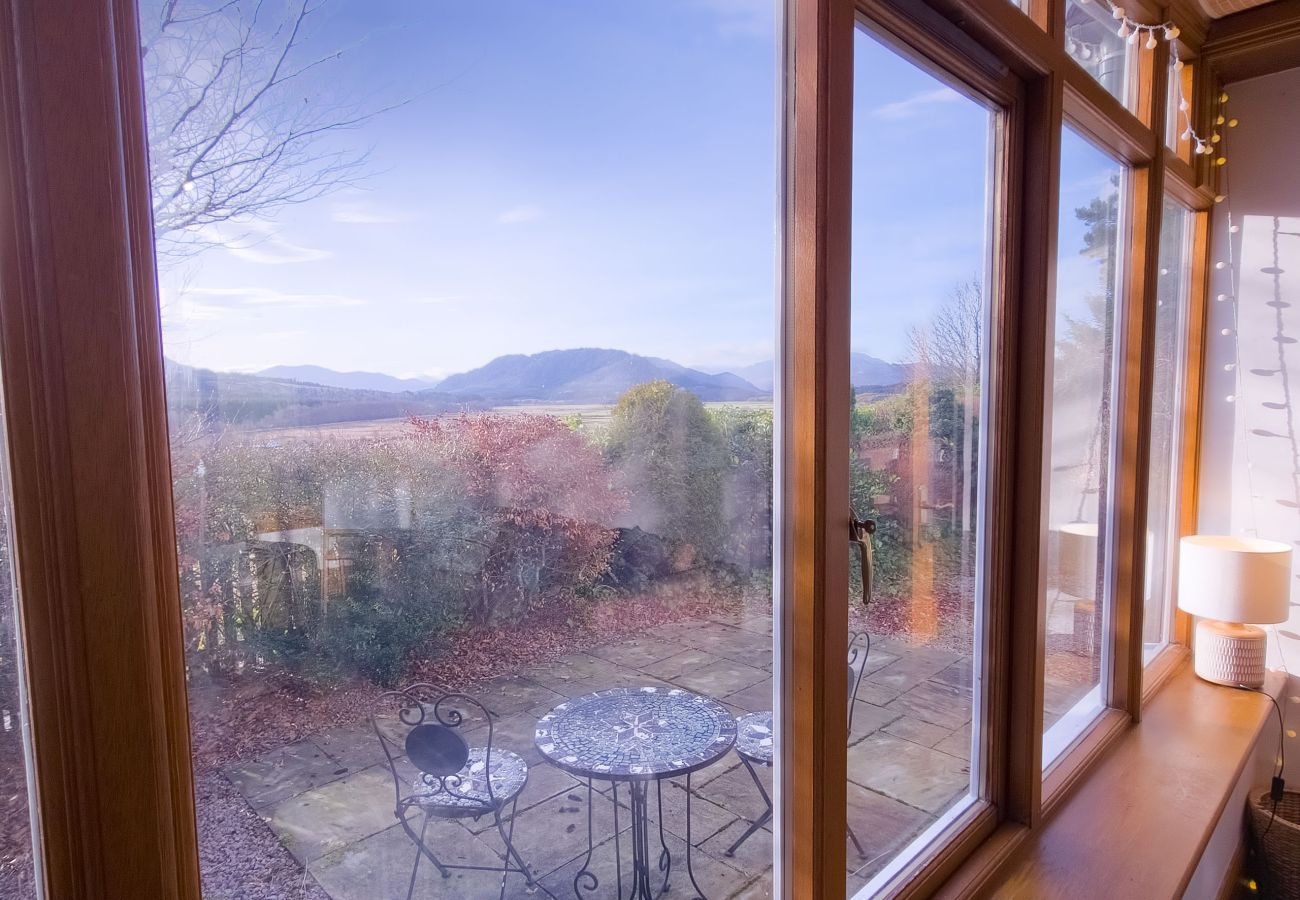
<point>860,532</point>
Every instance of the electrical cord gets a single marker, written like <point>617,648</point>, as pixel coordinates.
<point>1278,785</point>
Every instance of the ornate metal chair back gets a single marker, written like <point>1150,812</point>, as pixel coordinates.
<point>427,724</point>
<point>859,647</point>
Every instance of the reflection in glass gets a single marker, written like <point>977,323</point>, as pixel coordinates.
<point>17,871</point>
<point>1092,40</point>
<point>1078,502</point>
<point>472,384</point>
<point>1173,291</point>
<point>923,153</point>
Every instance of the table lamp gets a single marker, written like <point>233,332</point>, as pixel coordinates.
<point>1233,584</point>
<point>1077,560</point>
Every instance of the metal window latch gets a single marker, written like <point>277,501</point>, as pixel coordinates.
<point>860,532</point>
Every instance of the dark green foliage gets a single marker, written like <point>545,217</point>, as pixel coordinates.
<point>748,436</point>
<point>374,629</point>
<point>673,459</point>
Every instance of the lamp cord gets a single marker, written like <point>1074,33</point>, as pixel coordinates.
<point>1278,785</point>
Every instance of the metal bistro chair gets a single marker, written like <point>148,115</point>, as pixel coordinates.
<point>754,740</point>
<point>453,780</point>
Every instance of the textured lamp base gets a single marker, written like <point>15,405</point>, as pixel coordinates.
<point>1231,654</point>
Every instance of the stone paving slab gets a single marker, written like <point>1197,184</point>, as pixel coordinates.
<point>918,776</point>
<point>721,678</point>
<point>328,818</point>
<point>379,866</point>
<point>284,773</point>
<point>883,826</point>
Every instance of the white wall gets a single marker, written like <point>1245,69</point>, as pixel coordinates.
<point>1250,462</point>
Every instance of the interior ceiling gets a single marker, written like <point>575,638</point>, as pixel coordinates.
<point>1217,9</point>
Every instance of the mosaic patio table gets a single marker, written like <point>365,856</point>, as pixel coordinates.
<point>638,735</point>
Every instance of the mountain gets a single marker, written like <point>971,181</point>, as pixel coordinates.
<point>868,371</point>
<point>238,399</point>
<point>864,371</point>
<point>361,381</point>
<point>586,375</point>
<point>760,375</point>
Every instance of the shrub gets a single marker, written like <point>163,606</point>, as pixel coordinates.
<point>541,504</point>
<point>747,496</point>
<point>374,630</point>
<point>672,458</point>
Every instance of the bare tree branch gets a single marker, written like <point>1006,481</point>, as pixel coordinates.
<point>240,121</point>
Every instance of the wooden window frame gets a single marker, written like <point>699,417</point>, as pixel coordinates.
<point>1056,90</point>
<point>94,549</point>
<point>81,359</point>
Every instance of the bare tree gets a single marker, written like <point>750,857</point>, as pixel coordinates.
<point>239,118</point>
<point>950,345</point>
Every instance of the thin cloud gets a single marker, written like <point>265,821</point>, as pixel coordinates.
<point>520,214</point>
<point>916,104</point>
<point>259,242</point>
<point>362,214</point>
<point>219,303</point>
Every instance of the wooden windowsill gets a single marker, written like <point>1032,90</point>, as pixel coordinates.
<point>1138,823</point>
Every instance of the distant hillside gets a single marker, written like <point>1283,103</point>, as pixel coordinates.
<point>233,398</point>
<point>360,381</point>
<point>586,376</point>
<point>864,371</point>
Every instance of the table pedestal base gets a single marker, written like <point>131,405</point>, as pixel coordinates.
<point>651,876</point>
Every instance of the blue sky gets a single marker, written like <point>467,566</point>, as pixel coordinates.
<point>580,173</point>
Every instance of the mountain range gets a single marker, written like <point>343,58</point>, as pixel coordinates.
<point>360,381</point>
<point>237,398</point>
<point>314,395</point>
<point>865,371</point>
<point>587,375</point>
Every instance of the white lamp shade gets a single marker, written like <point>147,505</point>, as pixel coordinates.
<point>1234,579</point>
<point>1077,559</point>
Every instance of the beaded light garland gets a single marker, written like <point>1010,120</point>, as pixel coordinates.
<point>1132,31</point>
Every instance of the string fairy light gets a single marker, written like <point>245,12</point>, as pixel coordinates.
<point>1132,31</point>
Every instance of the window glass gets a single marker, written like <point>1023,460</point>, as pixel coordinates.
<point>1173,290</point>
<point>17,866</point>
<point>1176,118</point>
<point>1080,437</point>
<point>1173,116</point>
<point>1092,39</point>
<point>923,157</point>
<point>469,314</point>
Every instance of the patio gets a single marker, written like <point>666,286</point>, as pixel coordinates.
<point>328,799</point>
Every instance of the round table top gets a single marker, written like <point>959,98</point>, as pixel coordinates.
<point>636,733</point>
<point>754,736</point>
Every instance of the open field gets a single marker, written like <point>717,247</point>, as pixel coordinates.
<point>591,415</point>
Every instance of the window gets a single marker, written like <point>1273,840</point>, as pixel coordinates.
<point>1180,84</point>
<point>1173,291</point>
<point>465,395</point>
<point>470,336</point>
<point>1088,272</point>
<point>1091,39</point>
<point>924,152</point>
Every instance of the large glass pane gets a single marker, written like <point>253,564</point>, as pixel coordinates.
<point>1092,38</point>
<point>469,312</point>
<point>1078,502</point>
<point>923,154</point>
<point>17,867</point>
<point>1173,290</point>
